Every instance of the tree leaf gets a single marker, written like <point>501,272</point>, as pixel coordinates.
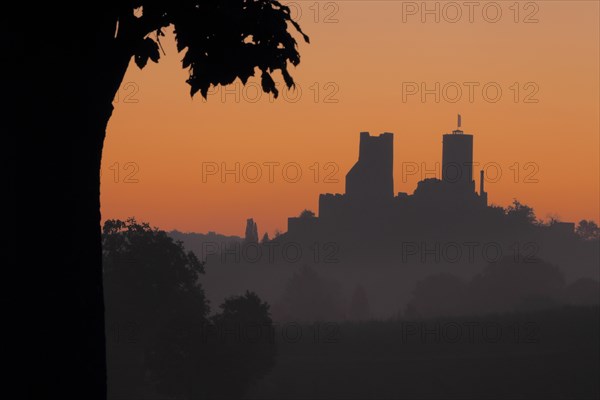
<point>147,49</point>
<point>226,40</point>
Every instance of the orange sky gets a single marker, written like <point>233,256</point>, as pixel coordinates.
<point>351,79</point>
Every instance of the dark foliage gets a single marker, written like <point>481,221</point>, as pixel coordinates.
<point>504,286</point>
<point>221,40</point>
<point>156,305</point>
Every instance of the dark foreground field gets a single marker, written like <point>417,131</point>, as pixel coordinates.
<point>539,355</point>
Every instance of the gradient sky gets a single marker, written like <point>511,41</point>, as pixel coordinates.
<point>354,77</point>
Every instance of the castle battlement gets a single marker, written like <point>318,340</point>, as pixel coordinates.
<point>331,195</point>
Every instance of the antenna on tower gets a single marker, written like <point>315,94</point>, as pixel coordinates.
<point>459,121</point>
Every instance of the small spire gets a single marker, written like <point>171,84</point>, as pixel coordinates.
<point>459,121</point>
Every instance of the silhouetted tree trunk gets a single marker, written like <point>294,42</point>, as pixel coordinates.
<point>61,76</point>
<point>86,155</point>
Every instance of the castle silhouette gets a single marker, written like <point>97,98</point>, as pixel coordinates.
<point>444,226</point>
<point>369,206</point>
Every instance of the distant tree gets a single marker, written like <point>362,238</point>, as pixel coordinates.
<point>246,308</point>
<point>309,297</point>
<point>511,284</point>
<point>243,357</point>
<point>504,286</point>
<point>588,230</point>
<point>553,219</point>
<point>251,235</point>
<point>359,304</point>
<point>220,358</point>
<point>152,286</point>
<point>265,238</point>
<point>307,214</point>
<point>220,42</point>
<point>143,266</point>
<point>521,213</point>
